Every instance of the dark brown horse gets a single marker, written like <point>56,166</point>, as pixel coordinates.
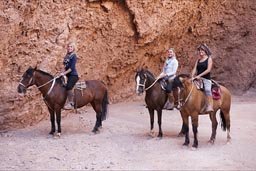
<point>155,97</point>
<point>192,102</point>
<point>54,95</point>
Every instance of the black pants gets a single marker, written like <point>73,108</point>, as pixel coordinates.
<point>72,79</point>
<point>168,85</point>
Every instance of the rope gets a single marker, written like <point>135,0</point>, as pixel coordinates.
<point>151,85</point>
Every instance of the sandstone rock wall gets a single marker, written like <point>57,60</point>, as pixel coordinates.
<point>114,38</point>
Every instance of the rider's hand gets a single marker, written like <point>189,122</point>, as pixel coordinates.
<point>62,74</point>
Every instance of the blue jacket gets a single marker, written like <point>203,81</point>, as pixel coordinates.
<point>70,62</point>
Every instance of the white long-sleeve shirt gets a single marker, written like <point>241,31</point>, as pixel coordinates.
<point>170,67</point>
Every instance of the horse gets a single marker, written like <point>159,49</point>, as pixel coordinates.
<point>54,95</point>
<point>192,102</point>
<point>155,97</point>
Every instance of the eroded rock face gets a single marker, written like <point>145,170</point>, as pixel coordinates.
<point>116,37</point>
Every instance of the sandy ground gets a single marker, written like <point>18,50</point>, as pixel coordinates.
<point>124,144</point>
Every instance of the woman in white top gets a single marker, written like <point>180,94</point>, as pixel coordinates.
<point>169,72</point>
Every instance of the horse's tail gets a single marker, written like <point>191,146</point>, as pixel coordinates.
<point>223,121</point>
<point>104,106</point>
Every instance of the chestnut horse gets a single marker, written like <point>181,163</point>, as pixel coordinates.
<point>155,97</point>
<point>192,102</point>
<point>55,95</point>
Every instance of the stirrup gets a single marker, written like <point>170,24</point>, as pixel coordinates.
<point>68,107</point>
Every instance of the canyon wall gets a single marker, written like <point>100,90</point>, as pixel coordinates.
<point>116,37</point>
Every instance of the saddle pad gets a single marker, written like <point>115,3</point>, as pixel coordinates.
<point>81,85</point>
<point>216,93</point>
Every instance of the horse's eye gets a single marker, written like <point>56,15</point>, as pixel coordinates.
<point>27,76</point>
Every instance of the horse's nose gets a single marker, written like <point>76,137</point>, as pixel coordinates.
<point>139,93</point>
<point>18,89</point>
<point>21,89</point>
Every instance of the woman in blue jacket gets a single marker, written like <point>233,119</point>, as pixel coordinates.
<point>69,63</point>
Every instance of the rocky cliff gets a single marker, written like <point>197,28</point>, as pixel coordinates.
<point>114,38</point>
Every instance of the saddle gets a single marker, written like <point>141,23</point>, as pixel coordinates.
<point>216,91</point>
<point>81,85</point>
<point>163,84</point>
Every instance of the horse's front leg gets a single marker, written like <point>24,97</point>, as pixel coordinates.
<point>52,119</point>
<point>58,118</point>
<point>159,116</point>
<point>214,127</point>
<point>182,131</point>
<point>151,115</point>
<point>186,129</point>
<point>195,126</point>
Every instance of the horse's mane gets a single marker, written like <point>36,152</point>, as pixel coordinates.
<point>59,80</point>
<point>44,73</point>
<point>150,74</point>
<point>177,82</point>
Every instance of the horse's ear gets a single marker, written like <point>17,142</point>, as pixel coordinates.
<point>183,79</point>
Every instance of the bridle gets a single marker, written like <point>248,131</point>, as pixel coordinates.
<point>31,79</point>
<point>144,84</point>
<point>180,102</point>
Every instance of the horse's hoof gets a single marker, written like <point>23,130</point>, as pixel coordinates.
<point>160,135</point>
<point>51,133</point>
<point>229,142</point>
<point>194,148</point>
<point>151,134</point>
<point>211,142</point>
<point>56,136</point>
<point>181,134</point>
<point>185,144</point>
<point>95,131</point>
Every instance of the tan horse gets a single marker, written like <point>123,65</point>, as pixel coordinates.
<point>192,102</point>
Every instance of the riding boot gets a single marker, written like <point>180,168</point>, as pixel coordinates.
<point>169,105</point>
<point>70,100</point>
<point>209,107</point>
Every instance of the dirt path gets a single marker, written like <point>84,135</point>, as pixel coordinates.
<point>124,144</point>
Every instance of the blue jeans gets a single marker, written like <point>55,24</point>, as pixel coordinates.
<point>207,87</point>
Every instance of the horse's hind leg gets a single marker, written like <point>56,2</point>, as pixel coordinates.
<point>227,121</point>
<point>52,118</point>
<point>97,123</point>
<point>98,109</point>
<point>214,127</point>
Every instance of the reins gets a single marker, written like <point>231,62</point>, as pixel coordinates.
<point>180,105</point>
<point>150,85</point>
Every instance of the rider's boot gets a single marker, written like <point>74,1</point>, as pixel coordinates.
<point>209,107</point>
<point>69,105</point>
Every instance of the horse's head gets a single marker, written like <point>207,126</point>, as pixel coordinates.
<point>144,80</point>
<point>140,79</point>
<point>177,88</point>
<point>27,80</point>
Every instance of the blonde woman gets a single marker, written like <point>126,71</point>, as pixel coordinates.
<point>169,73</point>
<point>69,63</point>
